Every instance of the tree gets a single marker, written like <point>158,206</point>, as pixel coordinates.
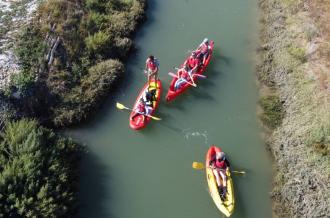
<point>38,172</point>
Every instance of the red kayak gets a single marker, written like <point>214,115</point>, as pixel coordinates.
<point>171,94</point>
<point>140,121</point>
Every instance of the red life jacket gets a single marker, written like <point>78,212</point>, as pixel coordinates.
<point>192,62</point>
<point>221,164</point>
<point>185,75</point>
<point>151,65</point>
<point>140,108</point>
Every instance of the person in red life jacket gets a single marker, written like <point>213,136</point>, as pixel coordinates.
<point>145,105</point>
<point>151,68</point>
<point>183,77</point>
<point>192,63</point>
<point>220,166</point>
<point>140,109</point>
<point>204,50</point>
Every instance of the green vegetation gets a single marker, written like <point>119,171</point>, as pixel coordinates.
<point>71,56</point>
<point>272,111</point>
<point>38,172</point>
<point>94,86</point>
<point>298,53</point>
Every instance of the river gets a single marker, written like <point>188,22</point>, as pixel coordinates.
<point>148,173</point>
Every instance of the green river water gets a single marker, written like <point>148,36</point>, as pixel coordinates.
<point>148,173</point>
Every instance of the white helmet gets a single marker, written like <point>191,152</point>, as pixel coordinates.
<point>220,155</point>
<point>205,40</point>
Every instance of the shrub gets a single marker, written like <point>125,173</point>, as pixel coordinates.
<point>23,81</point>
<point>321,148</point>
<point>98,42</point>
<point>298,53</point>
<point>94,86</point>
<point>38,173</point>
<point>272,111</point>
<point>123,46</point>
<point>30,49</point>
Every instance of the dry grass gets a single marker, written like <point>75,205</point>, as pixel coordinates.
<point>296,62</point>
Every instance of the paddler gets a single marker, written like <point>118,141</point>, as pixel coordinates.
<point>183,77</point>
<point>151,68</point>
<point>204,49</point>
<point>220,165</point>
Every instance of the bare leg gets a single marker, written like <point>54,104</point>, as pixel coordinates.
<point>224,178</point>
<point>217,177</point>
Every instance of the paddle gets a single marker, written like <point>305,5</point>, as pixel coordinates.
<point>200,166</point>
<point>121,107</point>
<point>195,74</point>
<point>174,75</point>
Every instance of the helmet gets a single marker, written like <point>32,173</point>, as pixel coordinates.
<point>220,155</point>
<point>206,40</point>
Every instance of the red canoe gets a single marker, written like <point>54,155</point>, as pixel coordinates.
<point>171,94</point>
<point>139,122</point>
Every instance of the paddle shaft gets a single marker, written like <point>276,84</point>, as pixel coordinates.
<point>195,74</point>
<point>199,166</point>
<point>174,75</point>
<point>121,106</point>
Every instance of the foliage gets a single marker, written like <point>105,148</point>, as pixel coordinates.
<point>272,111</point>
<point>37,176</point>
<point>23,82</point>
<point>86,34</point>
<point>97,42</point>
<point>88,94</point>
<point>29,49</point>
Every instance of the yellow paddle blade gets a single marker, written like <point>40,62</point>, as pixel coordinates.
<point>198,165</point>
<point>155,118</point>
<point>120,106</point>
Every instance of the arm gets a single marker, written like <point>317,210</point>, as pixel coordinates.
<point>146,67</point>
<point>227,162</point>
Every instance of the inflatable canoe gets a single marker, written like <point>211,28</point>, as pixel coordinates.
<point>172,94</point>
<point>140,121</point>
<point>226,206</point>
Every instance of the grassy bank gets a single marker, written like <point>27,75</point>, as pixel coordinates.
<point>295,69</point>
<point>71,56</point>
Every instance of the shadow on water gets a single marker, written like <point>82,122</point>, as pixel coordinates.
<point>152,10</point>
<point>202,94</point>
<point>92,187</point>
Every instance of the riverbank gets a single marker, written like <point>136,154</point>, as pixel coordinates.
<point>294,74</point>
<point>69,57</point>
<point>59,60</point>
